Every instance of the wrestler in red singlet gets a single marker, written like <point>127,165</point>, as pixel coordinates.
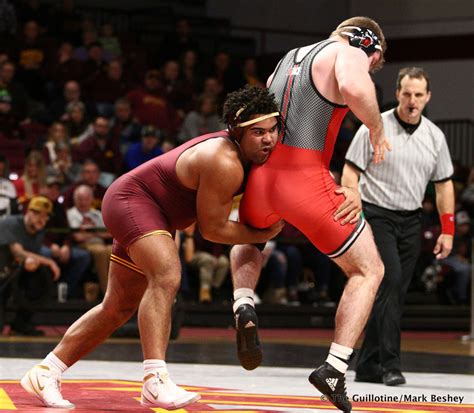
<point>150,199</point>
<point>295,183</point>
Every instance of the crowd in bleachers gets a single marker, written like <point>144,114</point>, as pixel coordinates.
<point>81,104</point>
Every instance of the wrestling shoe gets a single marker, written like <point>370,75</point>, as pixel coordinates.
<point>331,383</point>
<point>248,344</point>
<point>45,385</point>
<point>159,391</point>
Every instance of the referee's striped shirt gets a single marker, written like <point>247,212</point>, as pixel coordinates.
<point>399,182</point>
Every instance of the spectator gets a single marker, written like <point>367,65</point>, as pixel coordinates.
<point>15,89</point>
<point>190,71</point>
<point>71,93</point>
<point>250,72</point>
<point>89,36</point>
<point>90,175</point>
<point>178,91</point>
<point>308,269</point>
<point>105,88</point>
<point>467,196</point>
<point>77,122</point>
<point>110,41</point>
<point>21,238</point>
<point>8,205</point>
<point>100,147</point>
<point>459,261</point>
<point>74,262</point>
<point>86,218</point>
<point>179,41</point>
<point>150,106</point>
<point>33,180</point>
<point>63,169</point>
<point>202,120</point>
<point>57,133</point>
<point>143,151</point>
<point>213,87</point>
<point>225,72</point>
<point>211,261</point>
<point>96,62</point>
<point>31,60</point>
<point>63,68</point>
<point>125,128</point>
<point>88,24</point>
<point>9,127</point>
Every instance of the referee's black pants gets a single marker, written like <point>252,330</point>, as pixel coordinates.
<point>397,236</point>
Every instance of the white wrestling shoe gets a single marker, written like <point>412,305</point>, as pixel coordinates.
<point>160,391</point>
<point>45,384</point>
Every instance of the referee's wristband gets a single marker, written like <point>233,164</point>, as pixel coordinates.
<point>447,224</point>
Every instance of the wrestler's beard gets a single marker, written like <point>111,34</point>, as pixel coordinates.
<point>264,154</point>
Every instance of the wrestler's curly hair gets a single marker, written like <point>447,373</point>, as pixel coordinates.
<point>250,100</point>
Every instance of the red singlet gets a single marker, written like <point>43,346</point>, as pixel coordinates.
<point>295,183</point>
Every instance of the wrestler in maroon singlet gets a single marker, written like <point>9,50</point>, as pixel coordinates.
<point>150,199</point>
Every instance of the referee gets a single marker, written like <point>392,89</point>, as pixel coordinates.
<point>392,193</point>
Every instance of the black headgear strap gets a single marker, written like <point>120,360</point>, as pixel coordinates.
<point>363,38</point>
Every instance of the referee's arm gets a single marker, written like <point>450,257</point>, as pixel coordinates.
<point>445,205</point>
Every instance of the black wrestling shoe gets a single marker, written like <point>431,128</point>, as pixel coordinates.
<point>331,383</point>
<point>248,344</point>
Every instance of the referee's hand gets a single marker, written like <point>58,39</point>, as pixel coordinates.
<point>349,211</point>
<point>443,247</point>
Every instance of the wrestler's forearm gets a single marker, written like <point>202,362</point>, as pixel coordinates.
<point>350,176</point>
<point>237,233</point>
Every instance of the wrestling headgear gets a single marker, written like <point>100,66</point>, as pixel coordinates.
<point>362,38</point>
<point>239,124</point>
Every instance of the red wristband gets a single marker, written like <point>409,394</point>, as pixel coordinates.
<point>447,224</point>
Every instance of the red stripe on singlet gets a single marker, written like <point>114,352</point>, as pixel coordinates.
<point>332,132</point>
<point>286,100</point>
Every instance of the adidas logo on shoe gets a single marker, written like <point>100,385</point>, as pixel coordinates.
<point>248,345</point>
<point>332,383</point>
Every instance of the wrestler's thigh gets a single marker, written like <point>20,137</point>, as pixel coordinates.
<point>256,207</point>
<point>362,257</point>
<point>129,213</point>
<point>306,199</point>
<point>156,255</point>
<point>125,287</point>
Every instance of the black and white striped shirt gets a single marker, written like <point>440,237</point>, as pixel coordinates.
<point>399,182</point>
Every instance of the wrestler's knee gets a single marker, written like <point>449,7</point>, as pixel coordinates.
<point>117,312</point>
<point>244,252</point>
<point>377,270</point>
<point>167,281</point>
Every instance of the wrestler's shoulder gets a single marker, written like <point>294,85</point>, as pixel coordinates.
<point>218,152</point>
